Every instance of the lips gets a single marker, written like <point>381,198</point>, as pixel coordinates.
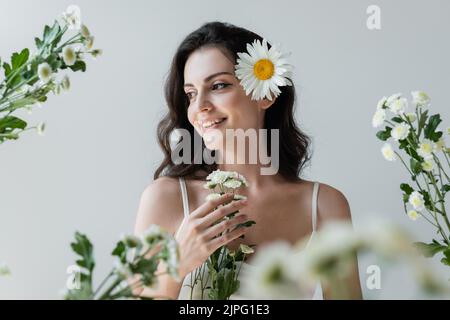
<point>210,123</point>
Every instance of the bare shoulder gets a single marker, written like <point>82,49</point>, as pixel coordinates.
<point>331,204</point>
<point>160,204</point>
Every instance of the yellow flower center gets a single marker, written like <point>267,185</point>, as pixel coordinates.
<point>263,69</point>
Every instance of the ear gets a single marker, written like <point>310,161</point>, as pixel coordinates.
<point>265,103</point>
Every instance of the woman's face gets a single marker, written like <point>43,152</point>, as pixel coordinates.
<point>217,101</point>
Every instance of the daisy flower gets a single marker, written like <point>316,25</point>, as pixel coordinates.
<point>45,72</point>
<point>388,152</point>
<point>69,55</point>
<point>263,71</point>
<point>416,200</point>
<point>413,215</point>
<point>420,98</point>
<point>400,131</point>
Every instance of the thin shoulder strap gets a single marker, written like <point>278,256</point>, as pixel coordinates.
<point>184,195</point>
<point>314,206</point>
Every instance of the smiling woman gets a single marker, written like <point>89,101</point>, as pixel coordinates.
<point>208,94</point>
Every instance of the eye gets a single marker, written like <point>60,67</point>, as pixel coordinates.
<point>221,85</point>
<point>188,94</point>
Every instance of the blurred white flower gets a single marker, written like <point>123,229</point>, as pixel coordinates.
<point>89,43</point>
<point>218,176</point>
<point>416,200</point>
<point>378,118</point>
<point>232,184</point>
<point>274,275</point>
<point>381,103</point>
<point>123,271</point>
<point>398,106</point>
<point>131,241</point>
<point>393,97</point>
<point>400,131</point>
<point>411,117</point>
<point>420,98</point>
<point>413,215</point>
<point>425,149</point>
<point>212,196</point>
<point>246,249</point>
<point>45,72</point>
<point>85,31</point>
<point>427,165</point>
<point>154,233</point>
<point>65,83</point>
<point>388,153</point>
<point>40,128</point>
<point>72,16</point>
<point>97,52</point>
<point>440,145</point>
<point>69,55</point>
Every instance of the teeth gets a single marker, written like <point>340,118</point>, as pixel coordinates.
<point>210,123</point>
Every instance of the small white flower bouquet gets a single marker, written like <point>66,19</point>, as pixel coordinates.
<point>137,259</point>
<point>28,78</point>
<point>221,280</point>
<point>418,135</point>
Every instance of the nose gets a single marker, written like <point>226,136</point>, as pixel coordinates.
<point>202,103</point>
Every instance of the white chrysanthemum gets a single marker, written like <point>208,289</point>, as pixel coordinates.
<point>416,200</point>
<point>69,55</point>
<point>40,128</point>
<point>378,118</point>
<point>153,234</point>
<point>85,31</point>
<point>239,197</point>
<point>399,105</point>
<point>411,117</point>
<point>65,83</point>
<point>420,98</point>
<point>232,184</point>
<point>413,215</point>
<point>219,176</point>
<point>72,16</point>
<point>131,241</point>
<point>212,196</point>
<point>388,152</point>
<point>274,275</point>
<point>246,249</point>
<point>45,72</point>
<point>393,97</point>
<point>89,43</point>
<point>426,148</point>
<point>440,145</point>
<point>97,52</point>
<point>123,271</point>
<point>428,165</point>
<point>400,131</point>
<point>263,71</point>
<point>381,103</point>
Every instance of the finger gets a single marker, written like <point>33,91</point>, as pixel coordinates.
<point>226,238</point>
<point>221,212</point>
<point>210,205</point>
<point>224,225</point>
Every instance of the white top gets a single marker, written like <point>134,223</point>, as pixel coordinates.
<point>185,291</point>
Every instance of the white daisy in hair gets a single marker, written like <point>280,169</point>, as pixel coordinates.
<point>262,71</point>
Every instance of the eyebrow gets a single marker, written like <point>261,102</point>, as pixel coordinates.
<point>208,78</point>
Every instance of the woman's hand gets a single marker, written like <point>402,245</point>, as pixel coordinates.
<point>197,237</point>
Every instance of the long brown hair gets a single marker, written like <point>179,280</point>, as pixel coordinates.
<point>230,39</point>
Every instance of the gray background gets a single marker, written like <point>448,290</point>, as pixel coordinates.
<point>99,150</point>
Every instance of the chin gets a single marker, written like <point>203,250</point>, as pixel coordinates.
<point>213,139</point>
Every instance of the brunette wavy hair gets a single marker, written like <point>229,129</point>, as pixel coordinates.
<point>230,39</point>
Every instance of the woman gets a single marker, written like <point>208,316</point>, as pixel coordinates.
<point>206,98</point>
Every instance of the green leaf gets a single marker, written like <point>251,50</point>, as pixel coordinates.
<point>406,188</point>
<point>446,259</point>
<point>19,59</point>
<point>83,247</point>
<point>39,43</point>
<point>422,119</point>
<point>120,252</point>
<point>397,119</point>
<point>431,126</point>
<point>384,134</point>
<point>415,165</point>
<point>7,68</point>
<point>79,65</point>
<point>10,123</point>
<point>429,249</point>
<point>446,188</point>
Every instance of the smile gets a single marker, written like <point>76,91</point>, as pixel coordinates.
<point>211,123</point>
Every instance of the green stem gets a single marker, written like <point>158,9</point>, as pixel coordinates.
<point>106,295</point>
<point>102,284</point>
